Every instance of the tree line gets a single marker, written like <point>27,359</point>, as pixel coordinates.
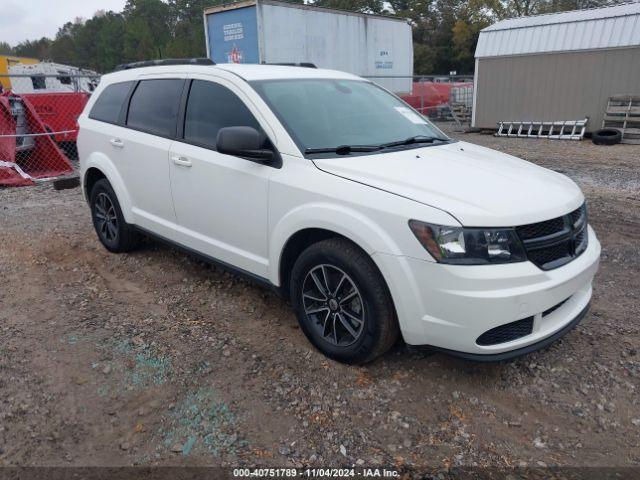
<point>445,32</point>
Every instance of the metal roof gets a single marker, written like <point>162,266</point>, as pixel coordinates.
<point>289,4</point>
<point>609,27</point>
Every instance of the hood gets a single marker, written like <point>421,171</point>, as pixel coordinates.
<point>478,186</point>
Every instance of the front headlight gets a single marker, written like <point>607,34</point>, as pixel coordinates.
<point>469,246</point>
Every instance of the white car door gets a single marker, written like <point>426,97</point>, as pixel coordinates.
<point>150,127</point>
<point>221,201</point>
<point>104,129</point>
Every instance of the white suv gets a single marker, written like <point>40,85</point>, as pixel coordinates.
<point>345,200</point>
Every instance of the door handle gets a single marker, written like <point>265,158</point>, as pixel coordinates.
<point>116,142</point>
<point>182,161</point>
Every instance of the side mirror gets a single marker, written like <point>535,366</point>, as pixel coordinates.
<point>243,142</point>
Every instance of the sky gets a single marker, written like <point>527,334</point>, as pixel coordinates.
<point>33,19</point>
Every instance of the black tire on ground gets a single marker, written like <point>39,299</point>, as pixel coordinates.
<point>113,232</point>
<point>328,318</point>
<point>66,183</point>
<point>606,136</point>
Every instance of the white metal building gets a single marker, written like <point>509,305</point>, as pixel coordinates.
<point>561,66</point>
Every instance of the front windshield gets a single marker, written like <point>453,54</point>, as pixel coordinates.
<point>327,114</point>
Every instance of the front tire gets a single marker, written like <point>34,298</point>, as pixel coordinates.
<point>113,231</point>
<point>342,302</point>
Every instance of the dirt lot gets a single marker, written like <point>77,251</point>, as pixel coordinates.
<point>154,358</point>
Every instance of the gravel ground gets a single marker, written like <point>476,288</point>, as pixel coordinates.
<point>153,358</point>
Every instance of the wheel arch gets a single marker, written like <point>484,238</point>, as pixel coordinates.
<point>310,224</point>
<point>98,166</point>
<point>294,246</point>
<point>91,176</point>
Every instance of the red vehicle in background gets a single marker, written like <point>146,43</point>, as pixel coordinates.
<point>58,112</point>
<point>38,133</point>
<point>431,97</point>
<point>38,120</point>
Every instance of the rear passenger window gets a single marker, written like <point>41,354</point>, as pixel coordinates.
<point>108,105</point>
<point>211,107</point>
<point>154,106</point>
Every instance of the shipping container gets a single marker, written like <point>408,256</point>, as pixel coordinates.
<point>268,31</point>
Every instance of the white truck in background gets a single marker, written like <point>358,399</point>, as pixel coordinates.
<point>275,32</point>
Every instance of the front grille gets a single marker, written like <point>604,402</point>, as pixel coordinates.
<point>556,242</point>
<point>576,215</point>
<point>546,256</point>
<point>507,332</point>
<point>541,229</point>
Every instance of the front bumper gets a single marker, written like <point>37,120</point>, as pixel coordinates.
<point>450,306</point>
<point>497,357</point>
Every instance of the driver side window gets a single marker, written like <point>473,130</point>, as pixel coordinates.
<point>210,107</point>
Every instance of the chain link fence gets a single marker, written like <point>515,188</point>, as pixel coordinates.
<point>38,125</point>
<point>439,97</point>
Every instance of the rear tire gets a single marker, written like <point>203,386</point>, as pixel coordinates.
<point>113,231</point>
<point>342,302</point>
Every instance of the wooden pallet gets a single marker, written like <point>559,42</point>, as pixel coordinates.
<point>623,114</point>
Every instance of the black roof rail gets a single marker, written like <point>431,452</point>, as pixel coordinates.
<point>165,61</point>
<point>286,64</point>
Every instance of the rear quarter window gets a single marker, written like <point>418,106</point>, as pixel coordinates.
<point>109,103</point>
<point>154,106</point>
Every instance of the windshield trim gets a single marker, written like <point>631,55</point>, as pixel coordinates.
<point>255,84</point>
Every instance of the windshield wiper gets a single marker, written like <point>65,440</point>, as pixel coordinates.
<point>411,140</point>
<point>344,149</point>
<point>347,149</point>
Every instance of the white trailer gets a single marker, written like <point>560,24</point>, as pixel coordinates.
<point>49,77</point>
<point>269,31</point>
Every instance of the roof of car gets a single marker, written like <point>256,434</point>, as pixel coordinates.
<point>248,72</point>
<point>266,72</point>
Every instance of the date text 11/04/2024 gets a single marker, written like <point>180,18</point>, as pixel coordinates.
<point>315,473</point>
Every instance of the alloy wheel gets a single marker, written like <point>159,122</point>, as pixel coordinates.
<point>106,218</point>
<point>333,304</point>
